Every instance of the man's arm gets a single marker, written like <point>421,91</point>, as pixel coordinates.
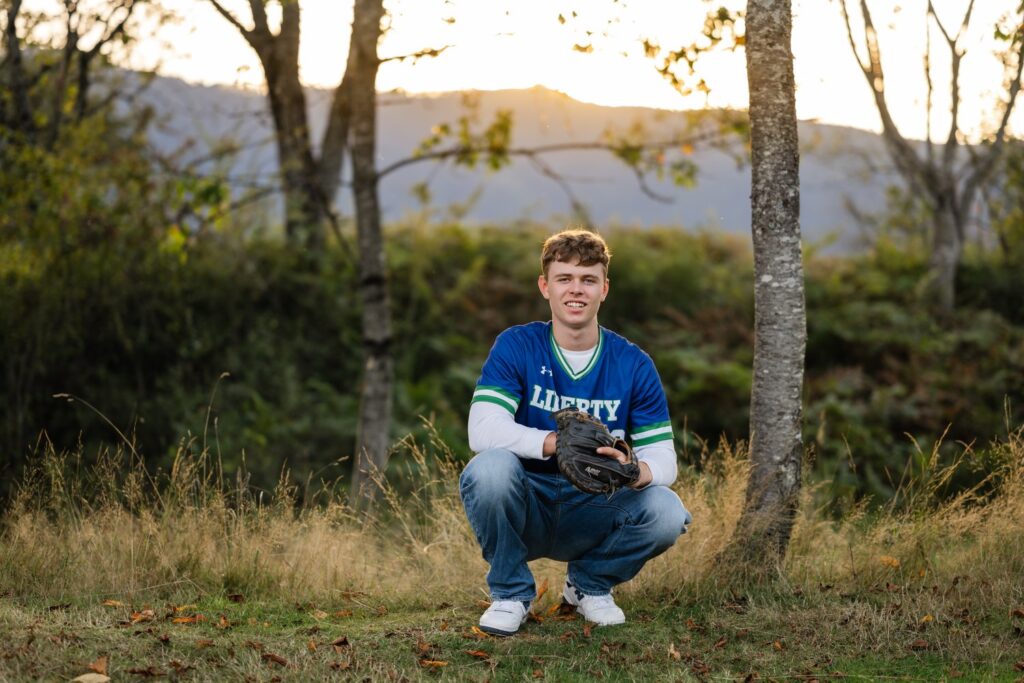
<point>491,426</point>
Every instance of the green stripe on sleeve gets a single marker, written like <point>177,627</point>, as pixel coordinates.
<point>499,390</point>
<point>666,436</point>
<point>485,398</point>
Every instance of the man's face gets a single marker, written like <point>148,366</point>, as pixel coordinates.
<point>574,292</point>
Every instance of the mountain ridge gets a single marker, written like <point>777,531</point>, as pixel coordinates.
<point>833,165</point>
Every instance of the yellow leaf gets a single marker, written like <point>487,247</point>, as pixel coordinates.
<point>182,608</point>
<point>927,619</point>
<point>889,561</point>
<point>433,663</point>
<point>91,678</point>
<point>113,603</point>
<point>99,666</point>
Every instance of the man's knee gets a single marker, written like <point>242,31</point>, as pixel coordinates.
<point>492,474</point>
<point>664,516</point>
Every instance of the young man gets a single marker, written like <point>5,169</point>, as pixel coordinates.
<point>519,505</point>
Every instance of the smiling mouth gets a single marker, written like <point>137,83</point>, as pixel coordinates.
<point>577,305</point>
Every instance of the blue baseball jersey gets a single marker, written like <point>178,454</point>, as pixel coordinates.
<point>527,375</point>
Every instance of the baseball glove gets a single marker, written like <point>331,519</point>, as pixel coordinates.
<point>579,436</point>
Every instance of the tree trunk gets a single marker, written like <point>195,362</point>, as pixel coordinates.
<point>304,208</point>
<point>373,439</point>
<point>780,332</point>
<point>947,248</point>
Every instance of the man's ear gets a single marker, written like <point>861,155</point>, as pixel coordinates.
<point>542,285</point>
<point>604,294</point>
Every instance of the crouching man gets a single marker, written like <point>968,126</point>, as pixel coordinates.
<point>519,506</point>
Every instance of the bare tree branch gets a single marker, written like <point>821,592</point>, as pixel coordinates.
<point>462,150</point>
<point>579,209</point>
<point>259,16</point>
<point>904,156</point>
<point>427,52</point>
<point>246,33</point>
<point>984,167</point>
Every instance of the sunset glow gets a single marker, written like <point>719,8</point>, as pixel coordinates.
<point>492,48</point>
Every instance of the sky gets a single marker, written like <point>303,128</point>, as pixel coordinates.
<point>496,45</point>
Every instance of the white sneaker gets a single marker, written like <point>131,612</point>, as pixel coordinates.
<point>504,617</point>
<point>600,609</point>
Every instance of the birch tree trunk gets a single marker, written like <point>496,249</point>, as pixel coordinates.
<point>375,405</point>
<point>780,334</point>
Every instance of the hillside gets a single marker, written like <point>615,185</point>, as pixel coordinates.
<point>831,168</point>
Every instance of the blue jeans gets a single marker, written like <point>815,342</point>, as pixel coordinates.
<point>520,516</point>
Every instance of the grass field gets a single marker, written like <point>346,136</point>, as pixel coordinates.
<point>112,571</point>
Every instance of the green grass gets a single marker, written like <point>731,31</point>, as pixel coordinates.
<point>762,635</point>
<point>927,591</point>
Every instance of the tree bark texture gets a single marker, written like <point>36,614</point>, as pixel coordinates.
<point>304,211</point>
<point>375,405</point>
<point>776,444</point>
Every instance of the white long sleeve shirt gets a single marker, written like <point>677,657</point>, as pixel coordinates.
<point>491,426</point>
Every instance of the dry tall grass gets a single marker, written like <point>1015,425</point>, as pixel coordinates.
<point>113,529</point>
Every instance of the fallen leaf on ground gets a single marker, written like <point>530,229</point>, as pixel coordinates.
<point>341,666</point>
<point>889,561</point>
<point>343,613</point>
<point>348,595</point>
<point>179,667</point>
<point>223,622</point>
<point>919,644</point>
<point>483,604</point>
<point>311,645</point>
<point>63,605</point>
<point>586,630</point>
<point>691,624</point>
<point>144,615</point>
<point>673,653</point>
<point>777,645</point>
<point>443,626</point>
<point>475,630</point>
<point>193,619</point>
<point>165,638</point>
<point>1019,613</point>
<point>433,663</point>
<point>926,619</point>
<point>1019,666</point>
<point>537,673</point>
<point>182,608</point>
<point>340,643</point>
<point>204,642</point>
<point>149,671</point>
<point>112,603</point>
<point>541,591</point>
<point>91,678</point>
<point>276,659</point>
<point>721,643</point>
<point>236,597</point>
<point>255,645</point>
<point>479,654</point>
<point>699,667</point>
<point>319,614</point>
<point>99,666</point>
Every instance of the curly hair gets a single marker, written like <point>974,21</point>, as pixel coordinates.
<point>582,246</point>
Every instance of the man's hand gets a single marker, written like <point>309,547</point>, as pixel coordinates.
<point>645,470</point>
